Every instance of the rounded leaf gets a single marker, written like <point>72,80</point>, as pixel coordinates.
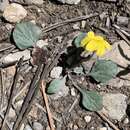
<point>104,70</point>
<point>26,34</point>
<point>56,85</point>
<point>91,100</point>
<point>78,39</point>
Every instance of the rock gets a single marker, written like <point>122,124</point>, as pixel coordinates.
<point>16,56</point>
<point>69,1</point>
<point>115,105</point>
<point>37,126</point>
<point>27,127</point>
<point>36,2</point>
<point>56,72</point>
<point>87,119</point>
<point>115,54</point>
<point>14,13</point>
<point>121,20</point>
<point>3,5</point>
<point>72,91</point>
<point>64,91</point>
<point>41,43</point>
<point>12,113</point>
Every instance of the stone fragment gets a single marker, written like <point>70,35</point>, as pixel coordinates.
<point>73,92</point>
<point>56,72</point>
<point>87,119</point>
<point>41,43</point>
<point>14,13</point>
<point>12,57</point>
<point>115,105</point>
<point>70,1</point>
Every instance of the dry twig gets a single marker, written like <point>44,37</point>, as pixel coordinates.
<point>103,116</point>
<point>47,106</point>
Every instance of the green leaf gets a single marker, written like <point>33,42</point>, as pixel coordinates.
<point>26,34</point>
<point>91,100</point>
<point>78,39</point>
<point>56,85</point>
<point>104,70</point>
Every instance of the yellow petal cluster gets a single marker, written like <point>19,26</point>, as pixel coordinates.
<point>95,43</point>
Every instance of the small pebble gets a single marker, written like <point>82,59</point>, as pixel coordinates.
<point>37,126</point>
<point>103,128</point>
<point>76,26</point>
<point>75,127</point>
<point>92,128</point>
<point>126,121</point>
<point>14,13</point>
<point>33,21</point>
<point>87,118</point>
<point>73,92</point>
<point>27,127</point>
<point>83,24</point>
<point>56,72</point>
<point>41,43</point>
<point>43,25</point>
<point>59,38</point>
<point>12,57</point>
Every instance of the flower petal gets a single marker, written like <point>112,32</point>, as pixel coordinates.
<point>90,34</point>
<point>107,45</point>
<point>91,46</point>
<point>100,51</point>
<point>84,41</point>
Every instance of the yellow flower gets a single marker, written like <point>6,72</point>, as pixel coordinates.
<point>95,43</point>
